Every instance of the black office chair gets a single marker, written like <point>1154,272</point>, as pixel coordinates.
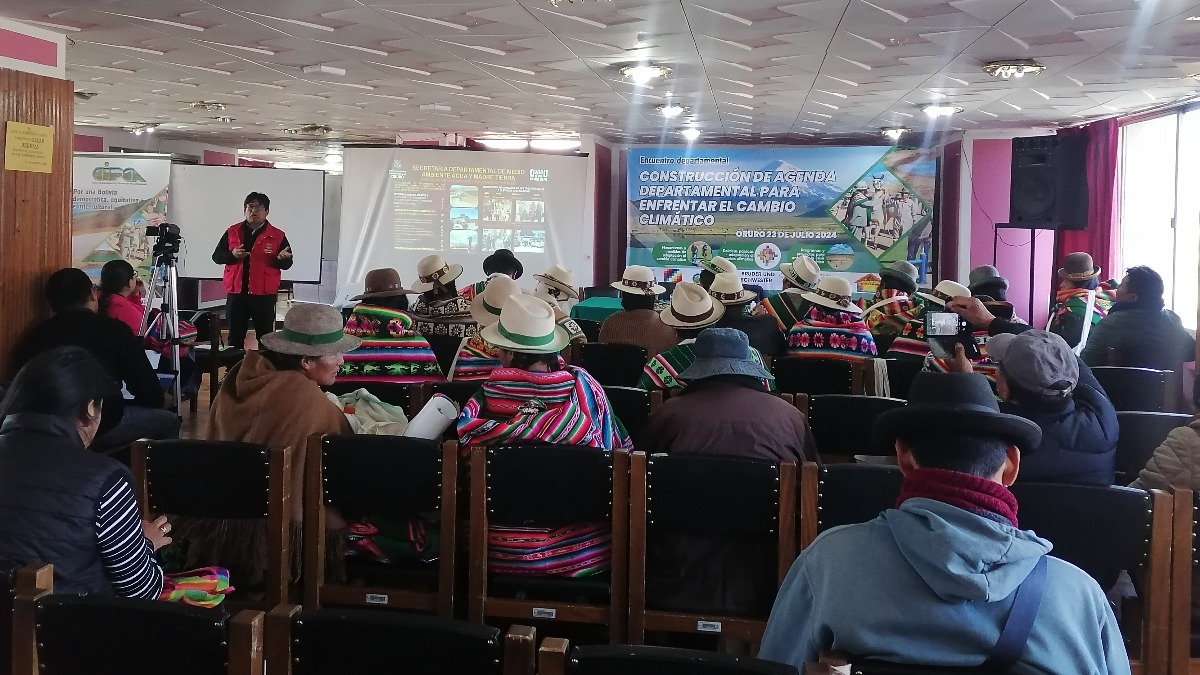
<point>599,292</point>
<point>211,353</point>
<point>845,494</point>
<point>841,424</point>
<point>591,329</point>
<point>615,365</point>
<point>1139,389</point>
<point>901,373</point>
<point>556,658</point>
<point>445,348</point>
<point>630,405</point>
<point>1140,435</point>
<point>813,376</point>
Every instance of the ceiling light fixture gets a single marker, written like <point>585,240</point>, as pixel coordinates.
<point>223,118</point>
<point>690,133</point>
<point>554,144</point>
<point>671,110</point>
<point>894,133</point>
<point>207,105</point>
<point>936,110</point>
<point>643,73</point>
<point>143,128</point>
<point>332,158</point>
<point>504,143</point>
<point>1007,68</point>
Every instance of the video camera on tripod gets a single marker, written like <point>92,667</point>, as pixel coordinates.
<point>168,238</point>
<point>162,289</point>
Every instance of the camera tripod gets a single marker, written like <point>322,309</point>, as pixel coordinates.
<point>164,285</point>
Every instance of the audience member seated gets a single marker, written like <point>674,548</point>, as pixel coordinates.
<point>1039,378</point>
<point>833,327</point>
<point>933,580</point>
<point>441,310</point>
<point>60,503</point>
<point>1080,278</point>
<point>273,397</point>
<point>500,263</point>
<point>894,303</point>
<point>557,287</point>
<point>986,284</point>
<point>709,269</point>
<point>788,307</point>
<point>533,398</point>
<point>762,331</point>
<point>476,357</point>
<point>638,324</point>
<point>1140,323</point>
<point>940,299</point>
<point>722,412</point>
<point>76,322</point>
<point>392,350</point>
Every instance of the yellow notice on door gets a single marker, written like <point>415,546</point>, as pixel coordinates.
<point>28,147</point>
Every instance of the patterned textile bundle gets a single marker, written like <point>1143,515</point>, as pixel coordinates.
<point>468,293</point>
<point>205,587</point>
<point>662,370</point>
<point>565,406</point>
<point>787,308</point>
<point>579,550</point>
<point>444,317</point>
<point>476,360</point>
<point>890,317</point>
<point>392,351</point>
<point>910,342</point>
<point>831,335</point>
<point>1074,301</point>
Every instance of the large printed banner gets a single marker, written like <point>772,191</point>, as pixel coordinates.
<point>853,210</point>
<point>115,198</point>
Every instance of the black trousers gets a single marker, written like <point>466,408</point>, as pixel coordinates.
<point>242,308</point>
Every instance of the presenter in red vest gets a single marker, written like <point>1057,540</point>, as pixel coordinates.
<point>254,253</point>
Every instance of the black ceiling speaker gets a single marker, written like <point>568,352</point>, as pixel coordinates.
<point>1049,183</point>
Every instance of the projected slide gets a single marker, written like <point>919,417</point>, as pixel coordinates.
<point>401,204</point>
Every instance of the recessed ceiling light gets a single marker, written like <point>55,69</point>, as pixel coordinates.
<point>690,133</point>
<point>671,110</point>
<point>935,110</point>
<point>642,74</point>
<point>504,143</point>
<point>1007,68</point>
<point>894,133</point>
<point>1190,18</point>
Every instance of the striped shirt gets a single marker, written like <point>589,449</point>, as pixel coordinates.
<point>125,552</point>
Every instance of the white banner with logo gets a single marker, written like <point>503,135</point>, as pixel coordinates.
<point>116,197</point>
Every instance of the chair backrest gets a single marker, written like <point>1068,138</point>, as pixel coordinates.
<point>386,476</point>
<point>845,494</point>
<point>100,635</point>
<point>901,373</point>
<point>841,424</point>
<point>599,292</point>
<point>1149,355</point>
<point>640,660</point>
<point>459,392</point>
<point>712,495</point>
<point>591,329</point>
<point>548,485</point>
<point>630,405</point>
<point>399,395</point>
<point>813,376</point>
<point>340,641</point>
<point>29,580</point>
<point>1140,435</point>
<point>613,364</point>
<point>176,484</point>
<point>1101,530</point>
<point>445,348</point>
<point>1134,388</point>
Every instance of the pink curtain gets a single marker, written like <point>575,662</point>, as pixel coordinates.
<point>1102,238</point>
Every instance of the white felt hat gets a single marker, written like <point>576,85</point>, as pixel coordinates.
<point>527,325</point>
<point>691,307</point>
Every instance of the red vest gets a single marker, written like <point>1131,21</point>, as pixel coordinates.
<point>264,276</point>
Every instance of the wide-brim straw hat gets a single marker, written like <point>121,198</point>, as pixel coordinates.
<point>903,272</point>
<point>945,291</point>
<point>717,265</point>
<point>803,272</point>
<point>435,268</point>
<point>727,289</point>
<point>486,307</point>
<point>311,329</point>
<point>638,280</point>
<point>527,324</point>
<point>561,278</point>
<point>833,293</point>
<point>382,283</point>
<point>1078,267</point>
<point>691,307</point>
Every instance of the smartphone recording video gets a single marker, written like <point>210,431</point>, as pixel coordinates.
<point>942,324</point>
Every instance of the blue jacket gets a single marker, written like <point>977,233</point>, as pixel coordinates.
<point>933,584</point>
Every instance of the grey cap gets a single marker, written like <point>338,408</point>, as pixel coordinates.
<point>1036,361</point>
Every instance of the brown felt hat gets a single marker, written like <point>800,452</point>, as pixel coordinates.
<point>1078,267</point>
<point>382,283</point>
<point>311,329</point>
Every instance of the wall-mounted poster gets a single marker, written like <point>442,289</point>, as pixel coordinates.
<point>853,210</point>
<point>116,197</point>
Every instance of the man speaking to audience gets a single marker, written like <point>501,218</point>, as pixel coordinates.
<point>254,253</point>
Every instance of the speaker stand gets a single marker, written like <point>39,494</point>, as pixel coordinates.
<point>1033,232</point>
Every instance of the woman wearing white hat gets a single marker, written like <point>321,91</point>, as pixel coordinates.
<point>441,310</point>
<point>557,287</point>
<point>789,307</point>
<point>709,269</point>
<point>762,331</point>
<point>833,327</point>
<point>638,323</point>
<point>477,358</point>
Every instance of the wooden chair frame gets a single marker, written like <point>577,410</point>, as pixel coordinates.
<point>32,582</point>
<point>1180,611</point>
<point>481,605</point>
<point>519,644</point>
<point>1154,628</point>
<point>810,477</point>
<point>642,620</point>
<point>317,591</point>
<point>279,508</point>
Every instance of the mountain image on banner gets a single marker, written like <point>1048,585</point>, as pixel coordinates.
<point>814,197</point>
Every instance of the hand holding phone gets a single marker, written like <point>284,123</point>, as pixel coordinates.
<point>944,330</point>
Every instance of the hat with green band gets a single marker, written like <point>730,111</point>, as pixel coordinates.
<point>310,329</point>
<point>485,307</point>
<point>527,325</point>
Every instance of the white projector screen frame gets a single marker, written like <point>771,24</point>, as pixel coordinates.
<point>206,200</point>
<point>368,224</point>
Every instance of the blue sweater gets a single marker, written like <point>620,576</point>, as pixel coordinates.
<point>933,584</point>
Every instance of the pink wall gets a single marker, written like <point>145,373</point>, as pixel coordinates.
<point>84,143</point>
<point>220,158</point>
<point>989,168</point>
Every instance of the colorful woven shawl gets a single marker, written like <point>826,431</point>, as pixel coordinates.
<point>910,342</point>
<point>1074,301</point>
<point>444,317</point>
<point>565,406</point>
<point>205,587</point>
<point>468,293</point>
<point>578,550</point>
<point>662,370</point>
<point>889,318</point>
<point>476,360</point>
<point>392,351</point>
<point>829,334</point>
<point>787,308</point>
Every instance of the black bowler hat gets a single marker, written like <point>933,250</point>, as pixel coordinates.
<point>954,404</point>
<point>502,259</point>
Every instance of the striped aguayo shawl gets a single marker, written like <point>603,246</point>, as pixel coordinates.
<point>391,350</point>
<point>831,335</point>
<point>571,410</point>
<point>1074,301</point>
<point>578,550</point>
<point>910,342</point>
<point>787,308</point>
<point>468,293</point>
<point>889,317</point>
<point>477,358</point>
<point>662,370</point>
